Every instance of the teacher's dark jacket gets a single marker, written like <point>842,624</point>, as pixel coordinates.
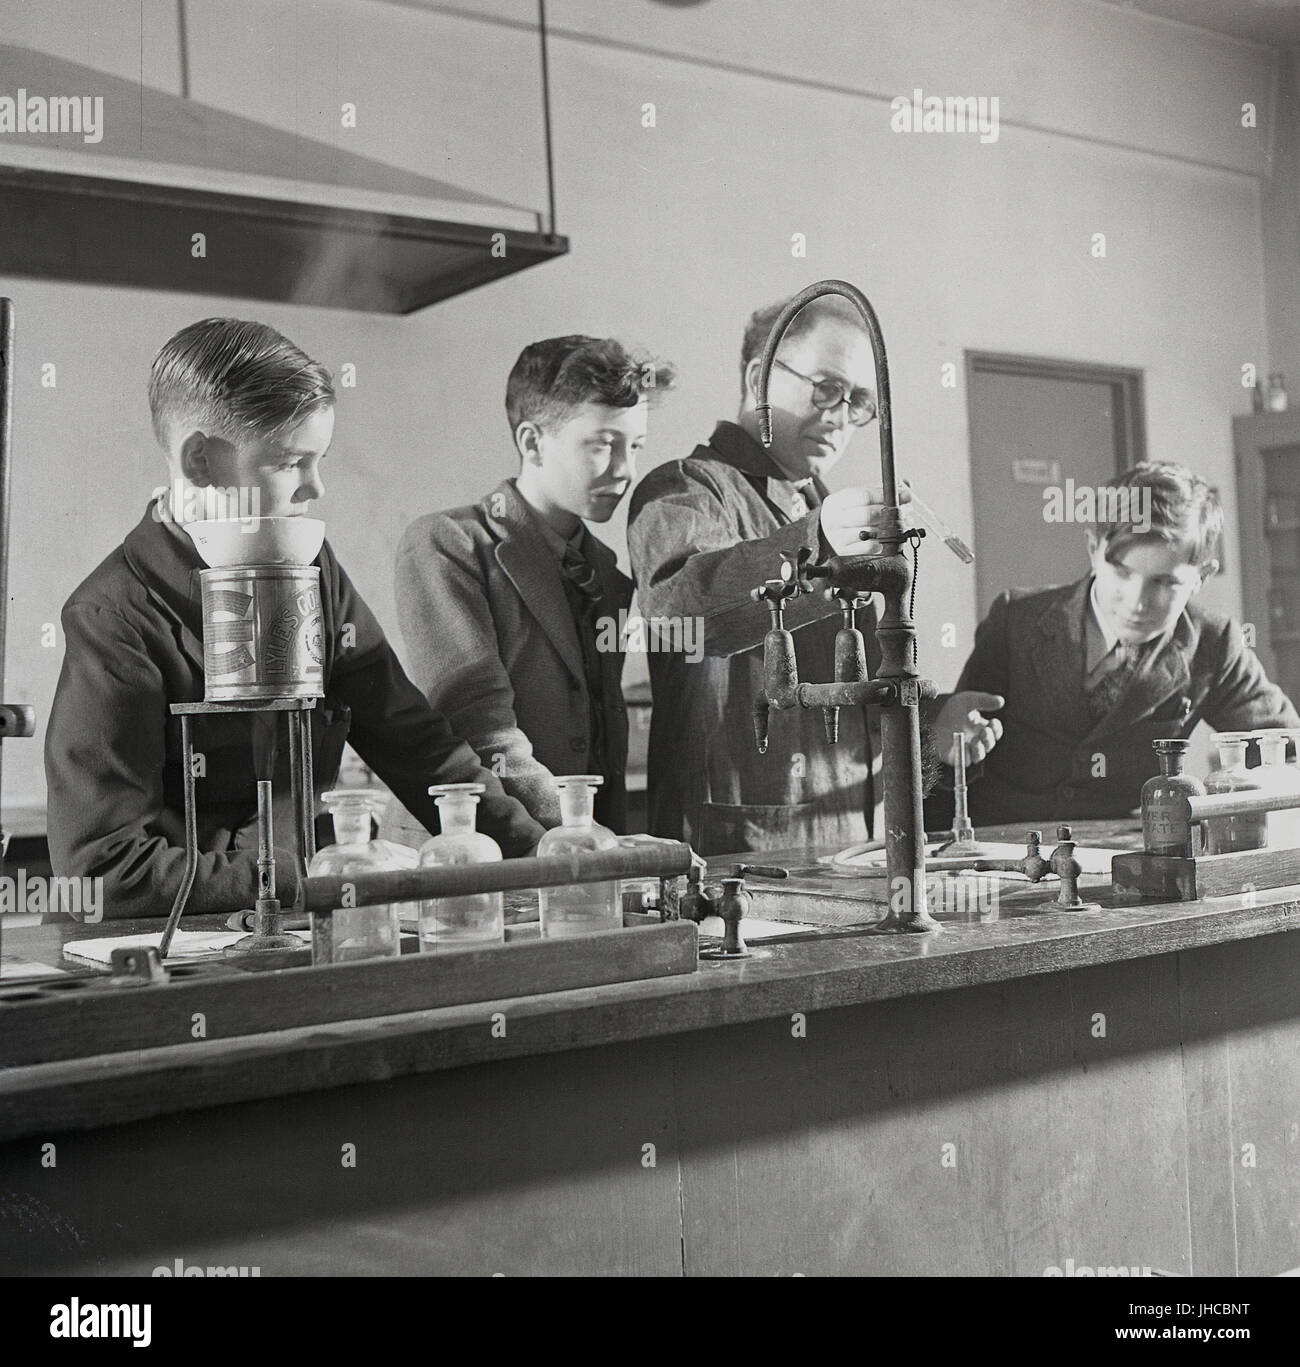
<point>703,532</point>
<point>1053,762</point>
<point>134,645</point>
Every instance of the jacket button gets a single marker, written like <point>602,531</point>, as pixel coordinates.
<point>578,745</point>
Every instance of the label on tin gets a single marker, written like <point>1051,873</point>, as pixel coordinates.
<point>291,638</point>
<point>263,635</point>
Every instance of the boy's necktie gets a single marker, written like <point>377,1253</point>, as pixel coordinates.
<point>584,595</point>
<point>1106,692</point>
<point>581,573</point>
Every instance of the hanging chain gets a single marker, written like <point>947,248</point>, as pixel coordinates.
<point>913,537</point>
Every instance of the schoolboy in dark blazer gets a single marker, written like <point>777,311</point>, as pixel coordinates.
<point>1094,671</point>
<point>512,612</point>
<point>236,408</point>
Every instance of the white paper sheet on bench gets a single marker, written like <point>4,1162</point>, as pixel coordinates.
<point>186,944</point>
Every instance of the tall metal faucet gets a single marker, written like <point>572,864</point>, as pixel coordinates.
<point>897,689</point>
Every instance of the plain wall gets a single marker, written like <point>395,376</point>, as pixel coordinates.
<point>771,119</point>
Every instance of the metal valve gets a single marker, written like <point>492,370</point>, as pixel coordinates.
<point>850,651</point>
<point>731,901</point>
<point>1067,868</point>
<point>791,583</point>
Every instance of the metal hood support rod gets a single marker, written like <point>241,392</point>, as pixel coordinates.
<point>15,719</point>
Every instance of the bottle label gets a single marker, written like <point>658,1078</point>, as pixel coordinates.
<point>1165,829</point>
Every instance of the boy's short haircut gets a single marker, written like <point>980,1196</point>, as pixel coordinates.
<point>821,309</point>
<point>1167,501</point>
<point>554,377</point>
<point>234,378</point>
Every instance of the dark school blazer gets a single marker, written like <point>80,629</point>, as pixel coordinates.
<point>1053,762</point>
<point>491,640</point>
<point>134,644</point>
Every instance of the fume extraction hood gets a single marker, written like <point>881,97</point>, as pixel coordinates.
<point>107,181</point>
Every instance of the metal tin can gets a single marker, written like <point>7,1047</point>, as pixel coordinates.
<point>262,633</point>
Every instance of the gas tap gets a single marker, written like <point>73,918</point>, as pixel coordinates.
<point>731,901</point>
<point>779,660</point>
<point>1067,868</point>
<point>850,652</point>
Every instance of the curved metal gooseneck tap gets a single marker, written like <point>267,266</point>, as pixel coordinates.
<point>896,690</point>
<point>888,478</point>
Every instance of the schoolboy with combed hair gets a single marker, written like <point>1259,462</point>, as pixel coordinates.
<point>516,591</point>
<point>1095,671</point>
<point>554,377</point>
<point>236,407</point>
<point>1159,498</point>
<point>228,374</point>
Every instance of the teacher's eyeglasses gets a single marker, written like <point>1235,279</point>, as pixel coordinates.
<point>828,394</point>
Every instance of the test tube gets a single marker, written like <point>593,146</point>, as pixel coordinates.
<point>937,525</point>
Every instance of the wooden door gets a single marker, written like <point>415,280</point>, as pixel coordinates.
<point>1035,425</point>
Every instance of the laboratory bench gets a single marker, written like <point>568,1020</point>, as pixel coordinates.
<point>1119,1088</point>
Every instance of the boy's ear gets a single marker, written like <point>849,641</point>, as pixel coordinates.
<point>751,380</point>
<point>1208,570</point>
<point>528,442</point>
<point>193,458</point>
<point>1090,538</point>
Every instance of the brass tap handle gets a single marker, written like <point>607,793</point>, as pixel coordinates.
<point>791,582</point>
<point>732,907</point>
<point>697,901</point>
<point>775,592</point>
<point>1067,868</point>
<point>850,601</point>
<point>759,871</point>
<point>1036,867</point>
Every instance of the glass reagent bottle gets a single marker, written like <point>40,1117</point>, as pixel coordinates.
<point>578,908</point>
<point>358,932</point>
<point>1242,831</point>
<point>471,920</point>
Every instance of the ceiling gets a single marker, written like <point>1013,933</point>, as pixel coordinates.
<point>1274,22</point>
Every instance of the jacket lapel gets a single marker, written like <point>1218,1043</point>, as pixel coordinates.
<point>781,494</point>
<point>528,563</point>
<point>738,449</point>
<point>169,568</point>
<point>1057,659</point>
